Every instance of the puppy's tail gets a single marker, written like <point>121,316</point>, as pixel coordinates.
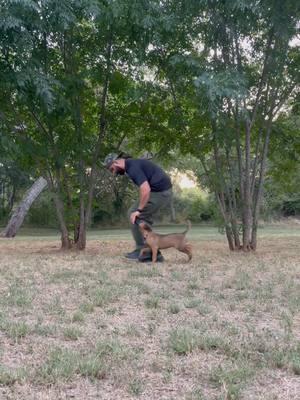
<point>189,225</point>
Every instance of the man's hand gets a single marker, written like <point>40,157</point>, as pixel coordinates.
<point>144,197</point>
<point>133,216</point>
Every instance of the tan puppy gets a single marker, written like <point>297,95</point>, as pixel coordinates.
<point>158,241</point>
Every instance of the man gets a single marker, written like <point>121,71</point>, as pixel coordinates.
<point>155,191</point>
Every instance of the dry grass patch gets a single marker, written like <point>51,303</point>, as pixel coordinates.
<point>9,376</point>
<point>91,324</point>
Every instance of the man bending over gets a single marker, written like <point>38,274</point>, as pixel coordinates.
<point>155,191</point>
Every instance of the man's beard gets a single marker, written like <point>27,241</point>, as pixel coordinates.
<point>119,171</point>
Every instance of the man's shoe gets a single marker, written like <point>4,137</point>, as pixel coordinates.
<point>133,255</point>
<point>148,257</point>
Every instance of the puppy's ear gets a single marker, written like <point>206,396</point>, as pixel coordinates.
<point>144,226</point>
<point>147,228</point>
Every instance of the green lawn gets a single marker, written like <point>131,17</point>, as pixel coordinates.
<point>198,232</point>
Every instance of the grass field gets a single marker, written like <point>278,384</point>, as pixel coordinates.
<point>93,325</point>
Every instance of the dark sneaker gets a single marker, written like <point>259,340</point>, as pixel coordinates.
<point>133,255</point>
<point>148,257</point>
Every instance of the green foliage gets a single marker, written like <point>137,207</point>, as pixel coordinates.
<point>42,212</point>
<point>282,195</point>
<point>194,205</point>
<point>81,78</point>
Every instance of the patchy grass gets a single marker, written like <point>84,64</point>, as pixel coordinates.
<point>183,341</point>
<point>9,377</point>
<point>135,387</point>
<point>94,325</point>
<point>18,295</point>
<point>232,379</point>
<point>86,307</point>
<point>15,330</point>
<point>174,308</point>
<point>72,333</point>
<point>152,302</point>
<point>61,365</point>
<point>78,316</point>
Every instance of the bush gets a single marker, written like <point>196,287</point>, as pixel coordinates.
<point>42,212</point>
<point>291,207</point>
<point>194,205</point>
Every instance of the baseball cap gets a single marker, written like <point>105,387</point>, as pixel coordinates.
<point>110,158</point>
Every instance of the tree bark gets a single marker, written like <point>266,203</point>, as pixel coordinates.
<point>11,200</point>
<point>229,236</point>
<point>81,239</point>
<point>247,203</point>
<point>22,209</point>
<point>258,195</point>
<point>59,205</point>
<point>101,134</point>
<point>65,239</point>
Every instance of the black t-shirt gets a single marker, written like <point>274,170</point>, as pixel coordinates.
<point>141,171</point>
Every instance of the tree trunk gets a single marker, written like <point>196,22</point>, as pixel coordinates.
<point>59,206</point>
<point>65,239</point>
<point>258,194</point>
<point>254,237</point>
<point>80,240</point>
<point>102,130</point>
<point>247,203</point>
<point>11,200</point>
<point>22,209</point>
<point>236,234</point>
<point>229,236</point>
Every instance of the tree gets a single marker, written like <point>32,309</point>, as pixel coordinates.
<point>230,68</point>
<point>21,210</point>
<point>61,64</point>
<point>244,102</point>
<point>209,77</point>
<point>283,176</point>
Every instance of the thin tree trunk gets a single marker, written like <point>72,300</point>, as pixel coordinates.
<point>222,185</point>
<point>222,207</point>
<point>79,223</point>
<point>247,211</point>
<point>258,194</point>
<point>228,228</point>
<point>65,238</point>
<point>229,235</point>
<point>11,200</point>
<point>256,162</point>
<point>80,226</point>
<point>59,206</point>
<point>102,129</point>
<point>81,240</point>
<point>22,209</point>
<point>233,203</point>
<point>239,154</point>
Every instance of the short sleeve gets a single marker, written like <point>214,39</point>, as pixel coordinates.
<point>136,172</point>
<point>139,177</point>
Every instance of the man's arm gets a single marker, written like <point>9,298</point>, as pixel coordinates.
<point>144,194</point>
<point>144,197</point>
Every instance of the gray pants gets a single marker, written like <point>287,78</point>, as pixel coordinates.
<point>155,202</point>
